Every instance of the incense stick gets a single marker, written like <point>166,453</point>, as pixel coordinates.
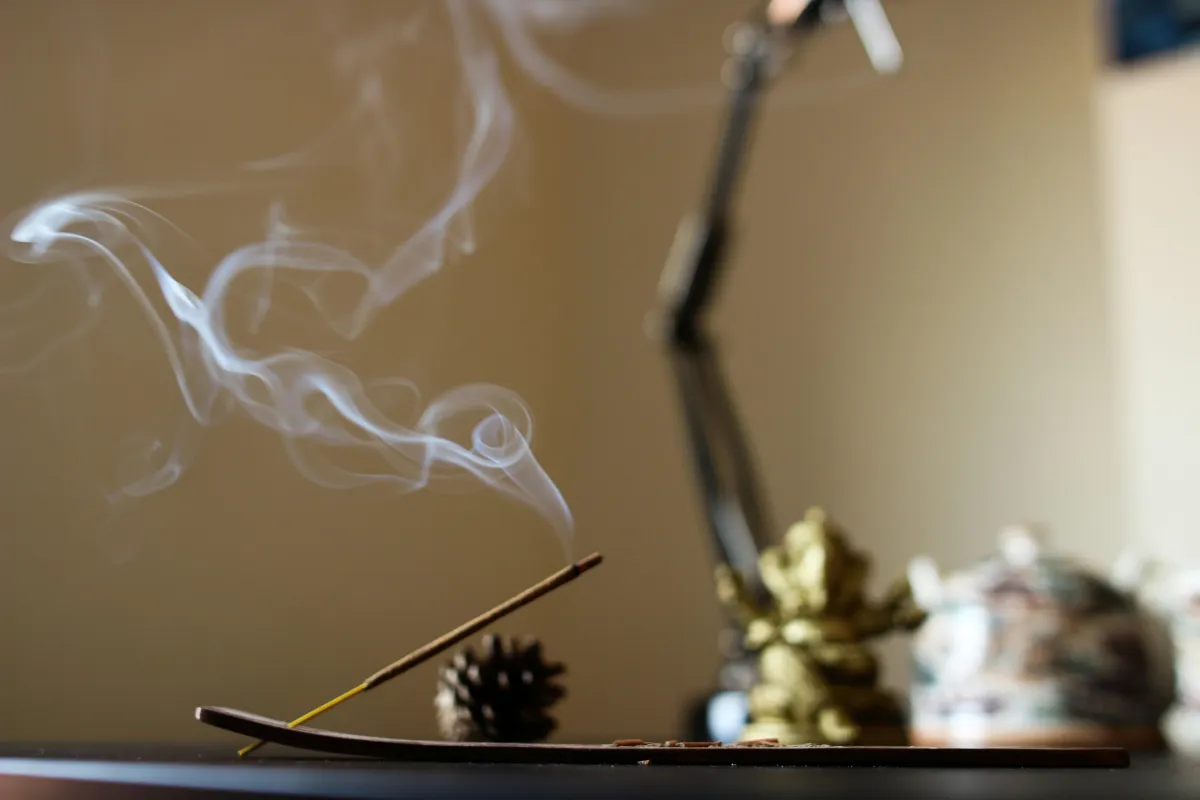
<point>445,641</point>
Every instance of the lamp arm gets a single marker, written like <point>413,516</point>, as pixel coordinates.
<point>720,454</point>
<point>721,458</point>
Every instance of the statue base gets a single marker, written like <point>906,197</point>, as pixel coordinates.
<point>864,717</point>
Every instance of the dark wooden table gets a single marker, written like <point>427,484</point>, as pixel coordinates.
<point>151,772</point>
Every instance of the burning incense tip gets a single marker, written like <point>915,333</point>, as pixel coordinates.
<point>584,565</point>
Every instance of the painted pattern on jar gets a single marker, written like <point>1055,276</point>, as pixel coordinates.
<point>1031,649</point>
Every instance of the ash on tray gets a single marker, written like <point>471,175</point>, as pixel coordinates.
<point>674,743</point>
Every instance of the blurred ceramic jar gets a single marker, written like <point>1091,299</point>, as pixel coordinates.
<point>1029,649</point>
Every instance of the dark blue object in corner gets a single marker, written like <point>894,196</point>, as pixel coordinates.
<point>1143,29</point>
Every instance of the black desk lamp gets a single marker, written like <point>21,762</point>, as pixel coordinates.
<point>721,457</point>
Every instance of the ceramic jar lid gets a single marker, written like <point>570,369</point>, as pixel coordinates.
<point>1021,574</point>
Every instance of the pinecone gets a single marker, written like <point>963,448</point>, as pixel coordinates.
<point>503,695</point>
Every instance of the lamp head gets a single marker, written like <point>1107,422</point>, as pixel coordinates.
<point>867,16</point>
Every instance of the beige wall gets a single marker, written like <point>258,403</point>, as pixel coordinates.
<point>1150,123</point>
<point>916,326</point>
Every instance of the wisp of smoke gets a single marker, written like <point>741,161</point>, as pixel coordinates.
<point>319,407</point>
<point>322,410</point>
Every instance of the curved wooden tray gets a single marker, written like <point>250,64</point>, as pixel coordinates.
<point>347,744</point>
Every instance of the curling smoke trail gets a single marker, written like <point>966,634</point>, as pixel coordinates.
<point>325,414</point>
<point>319,407</point>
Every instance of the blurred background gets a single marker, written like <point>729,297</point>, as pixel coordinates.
<point>961,296</point>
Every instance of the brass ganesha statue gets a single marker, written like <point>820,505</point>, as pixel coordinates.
<point>818,680</point>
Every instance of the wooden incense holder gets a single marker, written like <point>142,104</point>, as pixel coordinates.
<point>347,744</point>
<point>448,640</point>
